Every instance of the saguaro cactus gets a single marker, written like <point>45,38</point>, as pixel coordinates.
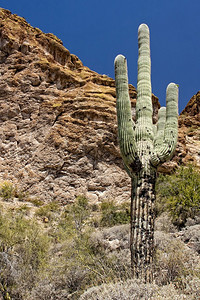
<point>143,147</point>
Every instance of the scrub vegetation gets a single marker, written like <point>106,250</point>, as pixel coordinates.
<point>81,251</point>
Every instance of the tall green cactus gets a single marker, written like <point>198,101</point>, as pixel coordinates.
<point>143,147</point>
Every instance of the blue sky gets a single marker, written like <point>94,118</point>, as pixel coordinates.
<point>96,31</point>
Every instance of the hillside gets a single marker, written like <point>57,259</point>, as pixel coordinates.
<point>58,120</point>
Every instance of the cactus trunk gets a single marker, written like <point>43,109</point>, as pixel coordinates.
<point>143,147</point>
<point>142,224</point>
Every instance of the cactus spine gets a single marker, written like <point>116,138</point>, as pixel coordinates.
<point>143,147</point>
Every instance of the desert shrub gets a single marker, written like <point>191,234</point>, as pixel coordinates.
<point>174,262</point>
<point>74,264</point>
<point>73,219</point>
<point>80,212</point>
<point>47,210</point>
<point>20,194</point>
<point>35,201</point>
<point>179,194</point>
<point>19,233</point>
<point>131,289</point>
<point>24,209</point>
<point>82,262</point>
<point>163,222</point>
<point>79,267</point>
<point>191,287</point>
<point>7,190</point>
<point>112,238</point>
<point>112,214</point>
<point>23,254</point>
<point>181,286</point>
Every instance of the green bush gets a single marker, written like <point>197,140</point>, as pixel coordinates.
<point>114,214</point>
<point>7,190</point>
<point>82,263</point>
<point>80,212</point>
<point>23,254</point>
<point>17,232</point>
<point>35,201</point>
<point>47,210</point>
<point>179,194</point>
<point>73,219</point>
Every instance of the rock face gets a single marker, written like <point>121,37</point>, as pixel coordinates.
<point>189,136</point>
<point>58,120</point>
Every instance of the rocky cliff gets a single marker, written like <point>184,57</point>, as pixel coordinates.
<point>58,120</point>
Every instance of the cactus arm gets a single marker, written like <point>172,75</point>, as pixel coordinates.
<point>159,136</point>
<point>144,126</point>
<point>164,151</point>
<point>126,133</point>
<point>154,129</point>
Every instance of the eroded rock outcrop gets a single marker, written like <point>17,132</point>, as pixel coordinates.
<point>58,119</point>
<point>189,135</point>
